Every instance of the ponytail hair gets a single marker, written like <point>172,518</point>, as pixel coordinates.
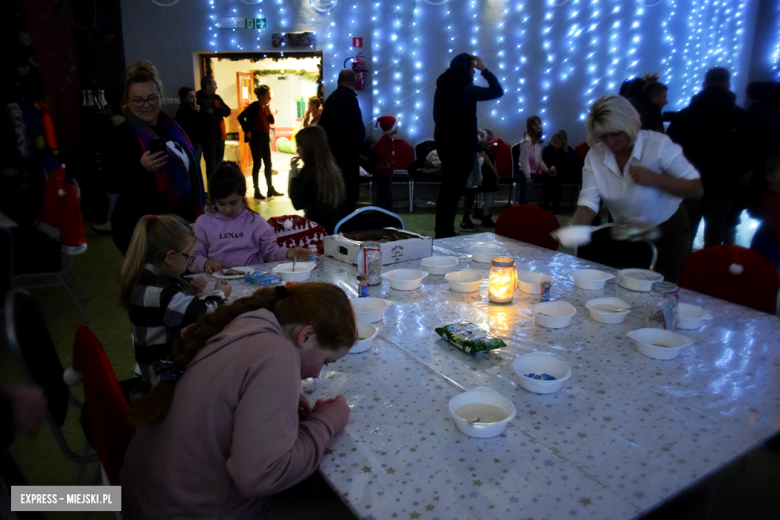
<point>153,237</point>
<point>300,305</point>
<point>315,152</point>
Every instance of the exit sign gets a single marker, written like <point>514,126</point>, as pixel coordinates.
<point>235,22</point>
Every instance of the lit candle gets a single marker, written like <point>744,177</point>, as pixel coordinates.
<point>503,280</point>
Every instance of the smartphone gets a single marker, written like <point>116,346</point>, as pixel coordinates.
<point>157,145</point>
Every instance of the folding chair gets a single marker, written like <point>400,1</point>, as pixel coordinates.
<point>421,151</point>
<point>617,253</point>
<point>105,407</point>
<point>297,231</point>
<point>370,217</point>
<point>31,345</point>
<point>734,274</point>
<point>528,224</point>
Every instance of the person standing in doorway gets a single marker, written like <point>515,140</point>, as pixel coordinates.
<point>214,110</point>
<point>455,133</point>
<point>256,122</point>
<point>343,123</point>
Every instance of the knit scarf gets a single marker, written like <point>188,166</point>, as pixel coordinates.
<point>178,183</point>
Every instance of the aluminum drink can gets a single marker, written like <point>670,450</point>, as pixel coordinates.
<point>544,291</point>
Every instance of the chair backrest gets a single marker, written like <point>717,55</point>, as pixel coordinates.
<point>370,217</point>
<point>422,149</point>
<point>31,344</point>
<point>104,403</point>
<point>713,271</point>
<point>617,253</point>
<point>516,160</point>
<point>528,224</point>
<point>297,231</point>
<point>404,154</point>
<point>503,154</point>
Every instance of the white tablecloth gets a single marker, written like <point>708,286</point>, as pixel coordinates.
<point>624,433</point>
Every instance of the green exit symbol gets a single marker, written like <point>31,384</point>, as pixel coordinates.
<point>254,23</point>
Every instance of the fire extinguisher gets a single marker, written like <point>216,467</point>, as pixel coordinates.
<point>357,66</point>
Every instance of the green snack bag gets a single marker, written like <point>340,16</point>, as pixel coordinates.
<point>469,338</point>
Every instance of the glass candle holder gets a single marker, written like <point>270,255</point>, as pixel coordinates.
<point>503,280</point>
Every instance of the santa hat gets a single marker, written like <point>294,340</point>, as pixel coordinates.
<point>387,123</point>
<point>71,224</point>
<point>49,221</point>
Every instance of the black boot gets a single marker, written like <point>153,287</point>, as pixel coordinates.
<point>258,195</point>
<point>273,193</point>
<point>487,222</point>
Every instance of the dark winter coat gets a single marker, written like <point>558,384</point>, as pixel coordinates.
<point>343,122</point>
<point>455,104</point>
<point>713,132</point>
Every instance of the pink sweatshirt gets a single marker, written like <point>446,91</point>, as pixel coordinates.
<point>231,437</point>
<point>531,157</point>
<point>246,239</point>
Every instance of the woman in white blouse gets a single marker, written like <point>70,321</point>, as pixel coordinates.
<point>641,176</point>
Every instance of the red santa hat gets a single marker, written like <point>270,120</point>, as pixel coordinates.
<point>387,123</point>
<point>49,220</point>
<point>71,224</point>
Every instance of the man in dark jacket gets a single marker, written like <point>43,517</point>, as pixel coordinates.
<point>213,110</point>
<point>713,133</point>
<point>455,133</point>
<point>649,105</point>
<point>343,122</point>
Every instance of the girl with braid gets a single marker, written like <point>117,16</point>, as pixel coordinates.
<point>226,427</point>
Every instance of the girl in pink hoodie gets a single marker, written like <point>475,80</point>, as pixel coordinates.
<point>226,426</point>
<point>229,233</point>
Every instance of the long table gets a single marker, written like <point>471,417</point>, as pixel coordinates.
<point>624,434</point>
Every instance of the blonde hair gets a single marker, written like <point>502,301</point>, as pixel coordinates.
<point>315,152</point>
<point>142,72</point>
<point>153,237</point>
<point>612,114</point>
<point>302,305</point>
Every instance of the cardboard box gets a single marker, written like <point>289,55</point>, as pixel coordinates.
<point>395,244</point>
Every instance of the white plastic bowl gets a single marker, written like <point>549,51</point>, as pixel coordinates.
<point>638,279</point>
<point>368,332</point>
<point>439,265</point>
<point>467,280</point>
<point>602,310</point>
<point>481,395</point>
<point>484,254</point>
<point>302,271</point>
<point>553,315</point>
<point>369,310</point>
<point>573,236</point>
<point>691,317</point>
<point>647,341</point>
<point>590,279</point>
<point>541,363</point>
<point>404,279</point>
<point>529,281</point>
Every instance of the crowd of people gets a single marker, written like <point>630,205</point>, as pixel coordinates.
<point>240,405</point>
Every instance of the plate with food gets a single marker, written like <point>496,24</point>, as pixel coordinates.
<point>233,273</point>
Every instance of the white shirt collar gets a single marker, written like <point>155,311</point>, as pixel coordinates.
<point>611,163</point>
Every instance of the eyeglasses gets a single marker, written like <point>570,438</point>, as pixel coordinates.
<point>152,101</point>
<point>187,256</point>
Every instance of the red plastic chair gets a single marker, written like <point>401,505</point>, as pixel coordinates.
<point>503,154</point>
<point>528,224</point>
<point>734,274</point>
<point>297,231</point>
<point>104,403</point>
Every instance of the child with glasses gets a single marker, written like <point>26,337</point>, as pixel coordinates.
<point>160,302</point>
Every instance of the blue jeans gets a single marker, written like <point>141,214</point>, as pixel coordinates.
<point>524,189</point>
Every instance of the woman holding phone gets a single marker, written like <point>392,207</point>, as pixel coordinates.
<point>152,162</point>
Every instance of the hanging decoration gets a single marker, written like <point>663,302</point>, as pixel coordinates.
<point>301,39</point>
<point>259,74</point>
